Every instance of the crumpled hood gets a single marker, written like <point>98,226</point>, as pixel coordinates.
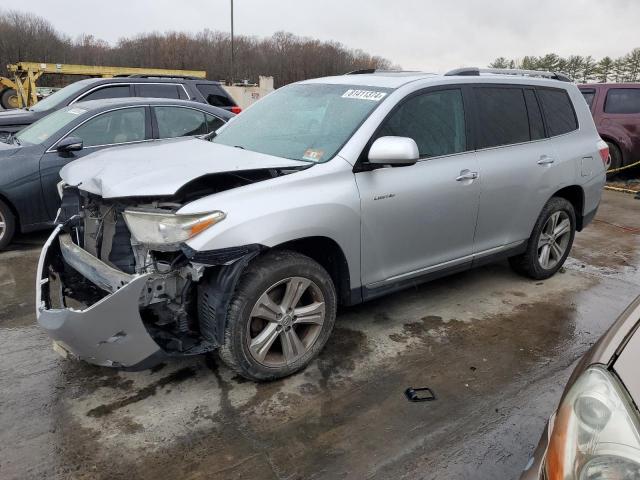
<point>161,167</point>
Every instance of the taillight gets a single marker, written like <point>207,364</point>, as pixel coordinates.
<point>236,109</point>
<point>603,148</point>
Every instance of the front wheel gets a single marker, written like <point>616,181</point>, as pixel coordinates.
<point>7,225</point>
<point>550,242</point>
<point>281,316</point>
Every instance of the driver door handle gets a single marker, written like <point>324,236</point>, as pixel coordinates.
<point>466,175</point>
<point>546,160</point>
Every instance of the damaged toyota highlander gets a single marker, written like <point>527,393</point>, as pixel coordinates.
<point>327,192</point>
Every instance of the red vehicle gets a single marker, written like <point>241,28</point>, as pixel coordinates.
<point>616,111</point>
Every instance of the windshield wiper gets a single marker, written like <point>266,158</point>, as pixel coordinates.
<point>15,140</point>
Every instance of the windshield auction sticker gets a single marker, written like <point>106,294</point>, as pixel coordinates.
<point>364,95</point>
<point>313,155</point>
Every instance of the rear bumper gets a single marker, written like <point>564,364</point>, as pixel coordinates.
<point>108,333</point>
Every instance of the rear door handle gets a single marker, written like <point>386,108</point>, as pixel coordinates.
<point>546,160</point>
<point>466,175</point>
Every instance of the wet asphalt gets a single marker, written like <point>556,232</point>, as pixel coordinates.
<point>496,349</point>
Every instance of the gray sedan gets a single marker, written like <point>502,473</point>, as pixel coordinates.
<point>31,160</point>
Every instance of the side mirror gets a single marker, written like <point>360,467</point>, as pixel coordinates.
<point>398,151</point>
<point>70,144</point>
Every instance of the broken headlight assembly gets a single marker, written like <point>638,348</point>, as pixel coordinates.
<point>162,229</point>
<point>595,434</point>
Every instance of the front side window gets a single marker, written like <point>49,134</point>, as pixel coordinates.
<point>118,126</point>
<point>180,122</point>
<point>622,100</point>
<point>114,91</point>
<point>502,116</point>
<point>435,121</point>
<point>153,90</point>
<point>558,111</point>
<point>44,128</point>
<point>309,122</point>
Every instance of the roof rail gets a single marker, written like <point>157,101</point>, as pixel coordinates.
<point>185,77</point>
<point>474,71</point>
<point>368,71</point>
<point>364,71</point>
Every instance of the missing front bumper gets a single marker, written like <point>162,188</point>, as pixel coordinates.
<point>107,333</point>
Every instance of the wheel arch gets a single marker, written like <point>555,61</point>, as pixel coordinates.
<point>623,144</point>
<point>13,209</point>
<point>574,194</point>
<point>328,253</point>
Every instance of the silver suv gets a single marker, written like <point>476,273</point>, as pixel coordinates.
<point>327,192</point>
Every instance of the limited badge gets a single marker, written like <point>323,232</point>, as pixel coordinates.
<point>364,95</point>
<point>312,155</point>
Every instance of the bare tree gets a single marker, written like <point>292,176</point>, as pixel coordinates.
<point>286,57</point>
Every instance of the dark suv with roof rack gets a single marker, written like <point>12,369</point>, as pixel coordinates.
<point>179,88</point>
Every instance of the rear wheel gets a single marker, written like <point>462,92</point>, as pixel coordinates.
<point>550,242</point>
<point>280,318</point>
<point>616,156</point>
<point>7,225</point>
<point>9,99</point>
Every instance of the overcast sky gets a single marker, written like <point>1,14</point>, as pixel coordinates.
<point>429,35</point>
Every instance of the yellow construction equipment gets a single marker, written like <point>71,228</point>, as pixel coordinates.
<point>21,90</point>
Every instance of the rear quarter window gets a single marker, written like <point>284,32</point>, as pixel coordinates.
<point>622,100</point>
<point>215,95</point>
<point>589,96</point>
<point>558,111</point>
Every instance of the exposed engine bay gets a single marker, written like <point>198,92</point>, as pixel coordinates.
<point>169,304</point>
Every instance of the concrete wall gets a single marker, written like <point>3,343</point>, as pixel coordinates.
<point>245,95</point>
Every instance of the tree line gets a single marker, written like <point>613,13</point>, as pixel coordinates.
<point>286,57</point>
<point>582,69</point>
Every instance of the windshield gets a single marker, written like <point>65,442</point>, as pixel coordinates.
<point>41,130</point>
<point>58,99</point>
<point>309,122</point>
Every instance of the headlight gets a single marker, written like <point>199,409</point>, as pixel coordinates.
<point>163,229</point>
<point>595,435</point>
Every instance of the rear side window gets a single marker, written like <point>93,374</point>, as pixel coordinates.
<point>434,120</point>
<point>151,90</point>
<point>558,111</point>
<point>502,116</point>
<point>536,125</point>
<point>622,100</point>
<point>180,122</point>
<point>213,123</point>
<point>114,91</point>
<point>589,96</point>
<point>215,95</point>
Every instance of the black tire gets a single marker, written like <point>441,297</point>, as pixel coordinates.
<point>7,99</point>
<point>528,263</point>
<point>616,156</point>
<point>9,220</point>
<point>262,276</point>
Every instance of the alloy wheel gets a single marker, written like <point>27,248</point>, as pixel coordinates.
<point>285,322</point>
<point>554,240</point>
<point>3,225</point>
